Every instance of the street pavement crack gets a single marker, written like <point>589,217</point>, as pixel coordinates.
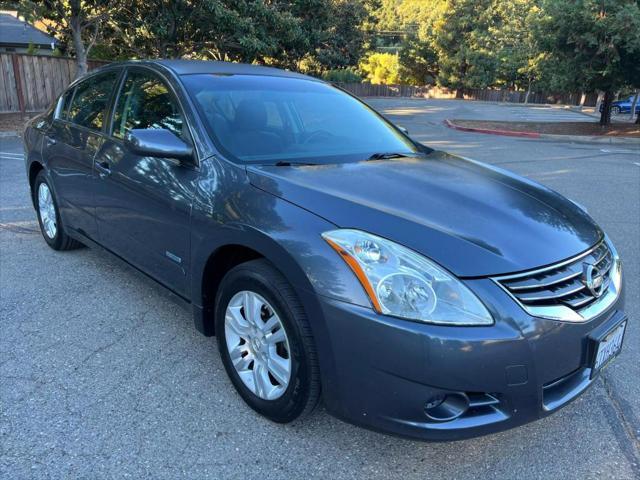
<point>631,431</point>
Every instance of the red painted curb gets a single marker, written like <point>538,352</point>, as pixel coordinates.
<point>506,133</point>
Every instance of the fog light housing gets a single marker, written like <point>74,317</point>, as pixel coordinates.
<point>446,407</point>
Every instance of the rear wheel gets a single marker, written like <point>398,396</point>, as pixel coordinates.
<point>615,110</point>
<point>265,342</point>
<point>49,216</point>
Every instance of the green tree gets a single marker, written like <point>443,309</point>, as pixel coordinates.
<point>592,44</point>
<point>311,35</point>
<point>517,55</point>
<point>418,61</point>
<point>214,29</point>
<point>78,21</point>
<point>453,40</point>
<point>464,45</point>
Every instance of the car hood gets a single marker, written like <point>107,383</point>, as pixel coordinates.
<point>471,218</point>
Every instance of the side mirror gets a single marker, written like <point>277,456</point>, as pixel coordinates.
<point>153,142</point>
<point>403,130</point>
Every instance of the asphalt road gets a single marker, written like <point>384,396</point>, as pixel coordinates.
<point>102,374</point>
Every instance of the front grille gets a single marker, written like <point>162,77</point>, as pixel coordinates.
<point>562,285</point>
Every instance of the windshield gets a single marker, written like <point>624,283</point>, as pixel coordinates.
<point>261,119</point>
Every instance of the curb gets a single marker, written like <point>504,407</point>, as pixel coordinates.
<point>547,136</point>
<point>506,133</point>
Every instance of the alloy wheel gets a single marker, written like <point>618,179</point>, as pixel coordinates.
<point>47,210</point>
<point>258,345</point>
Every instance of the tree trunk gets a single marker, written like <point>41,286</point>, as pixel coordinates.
<point>460,93</point>
<point>599,100</point>
<point>78,46</point>
<point>526,97</point>
<point>605,116</point>
<point>583,99</point>
<point>633,106</point>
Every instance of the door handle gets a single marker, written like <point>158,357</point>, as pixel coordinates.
<point>103,168</point>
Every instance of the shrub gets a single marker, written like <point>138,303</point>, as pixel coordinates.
<point>381,68</point>
<point>342,75</point>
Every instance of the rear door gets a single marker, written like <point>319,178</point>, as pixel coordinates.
<point>143,204</point>
<point>75,135</point>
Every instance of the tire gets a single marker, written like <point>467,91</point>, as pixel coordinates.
<point>615,110</point>
<point>292,399</point>
<point>53,233</point>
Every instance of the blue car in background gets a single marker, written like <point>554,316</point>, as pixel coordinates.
<point>623,106</point>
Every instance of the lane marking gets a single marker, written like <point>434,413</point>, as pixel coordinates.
<point>12,153</point>
<point>636,163</point>
<point>607,150</point>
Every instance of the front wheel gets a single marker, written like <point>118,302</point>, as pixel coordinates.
<point>49,216</point>
<point>265,342</point>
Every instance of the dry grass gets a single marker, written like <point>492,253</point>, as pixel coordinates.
<point>14,122</point>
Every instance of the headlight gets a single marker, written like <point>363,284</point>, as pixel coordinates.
<point>402,283</point>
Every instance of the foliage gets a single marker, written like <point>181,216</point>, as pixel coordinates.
<point>76,22</point>
<point>381,68</point>
<point>592,44</point>
<point>32,49</point>
<point>342,75</point>
<point>308,35</point>
<point>557,45</point>
<point>418,62</point>
<point>518,62</point>
<point>462,41</point>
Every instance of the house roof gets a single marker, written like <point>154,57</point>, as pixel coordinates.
<point>14,31</point>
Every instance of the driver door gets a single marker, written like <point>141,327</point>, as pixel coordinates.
<point>143,204</point>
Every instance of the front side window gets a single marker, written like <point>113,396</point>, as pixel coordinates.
<point>146,102</point>
<point>64,102</point>
<point>256,119</point>
<point>89,105</point>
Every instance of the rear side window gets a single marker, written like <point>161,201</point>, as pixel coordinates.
<point>146,102</point>
<point>89,105</point>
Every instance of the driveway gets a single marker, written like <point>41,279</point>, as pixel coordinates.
<point>102,374</point>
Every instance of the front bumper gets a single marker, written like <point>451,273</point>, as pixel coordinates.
<point>522,368</point>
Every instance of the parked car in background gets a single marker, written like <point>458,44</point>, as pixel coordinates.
<point>623,106</point>
<point>415,292</point>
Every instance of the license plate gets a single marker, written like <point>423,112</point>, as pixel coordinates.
<point>608,348</point>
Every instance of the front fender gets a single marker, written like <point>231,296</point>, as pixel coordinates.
<point>286,235</point>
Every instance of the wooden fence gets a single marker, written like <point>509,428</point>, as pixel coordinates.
<point>30,83</point>
<point>484,94</point>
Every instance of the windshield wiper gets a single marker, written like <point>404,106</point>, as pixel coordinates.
<point>387,156</point>
<point>285,163</point>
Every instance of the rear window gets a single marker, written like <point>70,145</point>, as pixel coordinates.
<point>89,105</point>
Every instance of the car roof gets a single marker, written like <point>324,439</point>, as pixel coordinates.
<point>190,67</point>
